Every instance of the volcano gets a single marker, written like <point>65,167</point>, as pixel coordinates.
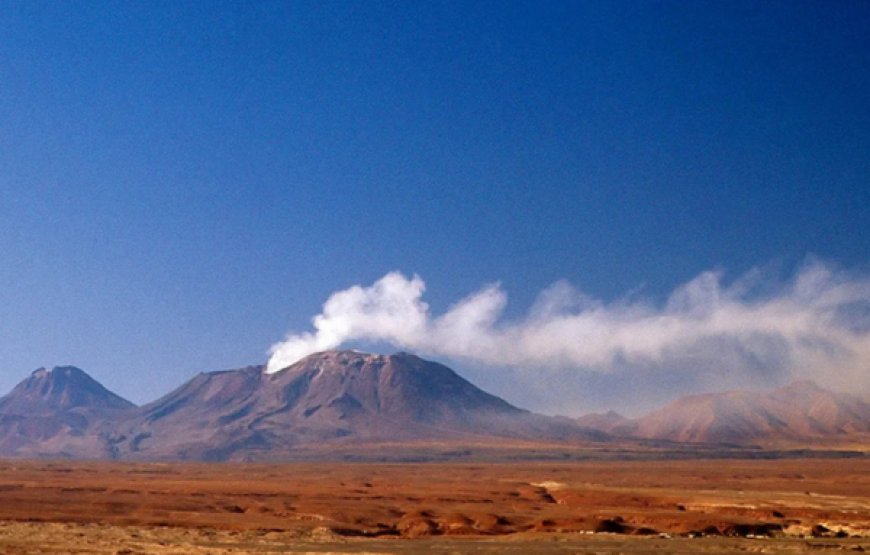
<point>336,405</point>
<point>336,397</point>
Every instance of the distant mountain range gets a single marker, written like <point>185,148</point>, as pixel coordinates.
<point>352,400</point>
<point>800,413</point>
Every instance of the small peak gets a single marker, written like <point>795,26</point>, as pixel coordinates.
<point>803,386</point>
<point>63,388</point>
<point>57,371</point>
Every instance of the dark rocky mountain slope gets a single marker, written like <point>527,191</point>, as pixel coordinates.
<point>336,397</point>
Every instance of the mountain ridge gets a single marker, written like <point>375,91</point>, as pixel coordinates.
<point>334,397</point>
<point>349,400</point>
<point>799,412</point>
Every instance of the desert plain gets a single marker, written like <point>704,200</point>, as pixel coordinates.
<point>660,506</point>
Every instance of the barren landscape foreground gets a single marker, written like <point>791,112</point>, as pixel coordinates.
<point>776,506</point>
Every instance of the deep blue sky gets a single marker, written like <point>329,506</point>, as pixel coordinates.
<point>181,183</point>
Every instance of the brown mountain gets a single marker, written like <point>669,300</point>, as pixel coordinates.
<point>61,412</point>
<point>345,401</point>
<point>336,397</point>
<point>802,413</point>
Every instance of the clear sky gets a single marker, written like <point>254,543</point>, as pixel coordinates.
<point>183,183</point>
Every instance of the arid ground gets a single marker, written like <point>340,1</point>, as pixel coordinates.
<point>774,506</point>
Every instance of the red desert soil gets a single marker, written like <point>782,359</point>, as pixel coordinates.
<point>219,504</point>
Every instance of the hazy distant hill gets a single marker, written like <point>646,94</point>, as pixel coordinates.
<point>610,422</point>
<point>802,411</point>
<point>61,412</point>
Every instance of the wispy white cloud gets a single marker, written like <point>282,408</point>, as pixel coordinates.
<point>815,325</point>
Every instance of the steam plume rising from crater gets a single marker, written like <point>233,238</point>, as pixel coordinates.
<point>816,325</point>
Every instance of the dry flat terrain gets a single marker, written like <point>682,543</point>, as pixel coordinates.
<point>784,506</point>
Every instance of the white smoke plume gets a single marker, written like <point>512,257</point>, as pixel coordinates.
<point>816,325</point>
